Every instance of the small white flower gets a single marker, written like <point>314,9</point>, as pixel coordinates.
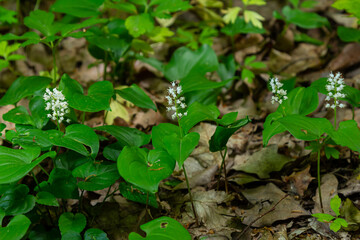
<point>335,84</point>
<point>175,101</point>
<point>279,93</point>
<point>57,104</point>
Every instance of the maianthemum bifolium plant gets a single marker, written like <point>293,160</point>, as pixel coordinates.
<point>50,135</point>
<point>321,134</point>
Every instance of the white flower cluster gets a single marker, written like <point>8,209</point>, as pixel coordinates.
<point>57,104</point>
<point>335,84</point>
<point>175,101</point>
<point>279,93</point>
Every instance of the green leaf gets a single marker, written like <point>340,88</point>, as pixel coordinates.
<point>342,222</point>
<point>126,136</point>
<point>38,113</point>
<point>15,200</point>
<point>97,99</point>
<point>69,222</point>
<point>247,75</point>
<point>67,29</point>
<point>227,68</point>
<point>163,129</point>
<point>302,19</point>
<point>112,151</point>
<point>78,8</point>
<point>46,198</point>
<point>162,228</point>
<point>181,148</point>
<point>16,163</point>
<point>305,128</point>
<point>16,229</point>
<point>75,137</point>
<point>198,112</point>
<point>348,34</point>
<point>41,21</point>
<point>2,127</point>
<point>18,115</point>
<point>197,82</point>
<point>348,135</point>
<point>137,96</point>
<point>139,24</point>
<point>350,6</point>
<point>185,62</point>
<point>145,170</point>
<point>169,6</point>
<point>61,184</point>
<point>95,234</point>
<point>227,119</point>
<point>302,37</point>
<point>308,4</point>
<point>323,217</point>
<point>24,87</point>
<point>71,236</point>
<point>136,194</point>
<point>160,34</point>
<point>96,176</point>
<point>115,47</point>
<point>240,26</point>
<point>31,138</point>
<point>335,204</point>
<point>7,16</point>
<point>302,101</point>
<point>222,134</point>
<point>335,226</point>
<point>70,160</point>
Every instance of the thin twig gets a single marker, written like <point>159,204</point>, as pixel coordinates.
<point>261,216</point>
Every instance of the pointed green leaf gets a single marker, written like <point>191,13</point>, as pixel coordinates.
<point>16,229</point>
<point>335,204</point>
<point>145,170</point>
<point>78,8</point>
<point>137,96</point>
<point>41,21</point>
<point>69,222</point>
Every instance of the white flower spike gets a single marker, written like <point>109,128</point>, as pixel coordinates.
<point>279,93</point>
<point>175,101</point>
<point>56,104</point>
<point>335,84</point>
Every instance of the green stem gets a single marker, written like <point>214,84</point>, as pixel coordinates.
<point>36,181</point>
<point>353,113</point>
<point>83,118</point>
<point>335,117</point>
<point>319,180</point>
<point>44,170</point>
<point>53,49</point>
<point>221,168</point>
<point>37,5</point>
<point>191,199</point>
<point>105,66</point>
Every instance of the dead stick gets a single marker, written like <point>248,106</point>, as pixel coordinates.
<point>262,215</point>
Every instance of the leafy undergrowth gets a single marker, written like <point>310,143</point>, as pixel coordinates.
<point>179,120</point>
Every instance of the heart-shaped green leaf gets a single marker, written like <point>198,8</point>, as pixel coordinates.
<point>139,24</point>
<point>61,184</point>
<point>181,148</point>
<point>16,163</point>
<point>69,222</point>
<point>222,134</point>
<point>198,112</point>
<point>23,87</point>
<point>126,136</point>
<point>97,99</point>
<point>136,194</point>
<point>347,135</point>
<point>15,200</point>
<point>16,229</point>
<point>137,96</point>
<point>163,129</point>
<point>185,62</point>
<point>302,101</point>
<point>18,115</point>
<point>95,234</point>
<point>163,228</point>
<point>76,136</point>
<point>38,113</point>
<point>46,198</point>
<point>145,170</point>
<point>96,176</point>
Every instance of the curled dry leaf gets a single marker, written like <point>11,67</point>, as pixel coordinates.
<point>299,181</point>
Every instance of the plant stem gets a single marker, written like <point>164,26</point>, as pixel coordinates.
<point>44,170</point>
<point>353,113</point>
<point>37,5</point>
<point>83,118</point>
<point>319,181</point>
<point>105,65</point>
<point>335,117</point>
<point>223,165</point>
<point>191,199</point>
<point>53,49</point>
